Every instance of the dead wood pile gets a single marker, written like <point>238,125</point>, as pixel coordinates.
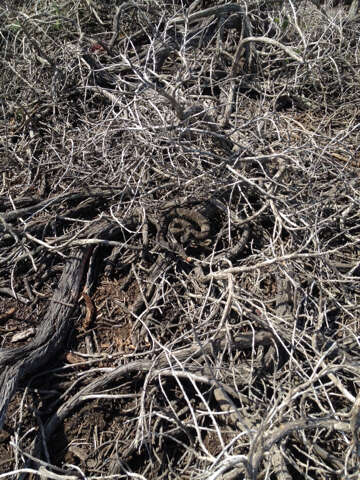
<point>179,239</point>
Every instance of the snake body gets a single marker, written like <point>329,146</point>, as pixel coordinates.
<point>188,223</point>
<point>183,226</point>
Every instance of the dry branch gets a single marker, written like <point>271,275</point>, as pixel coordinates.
<point>193,170</point>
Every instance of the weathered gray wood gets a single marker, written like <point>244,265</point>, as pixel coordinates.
<point>16,363</point>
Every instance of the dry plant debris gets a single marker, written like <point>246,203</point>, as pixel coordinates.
<point>179,231</point>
